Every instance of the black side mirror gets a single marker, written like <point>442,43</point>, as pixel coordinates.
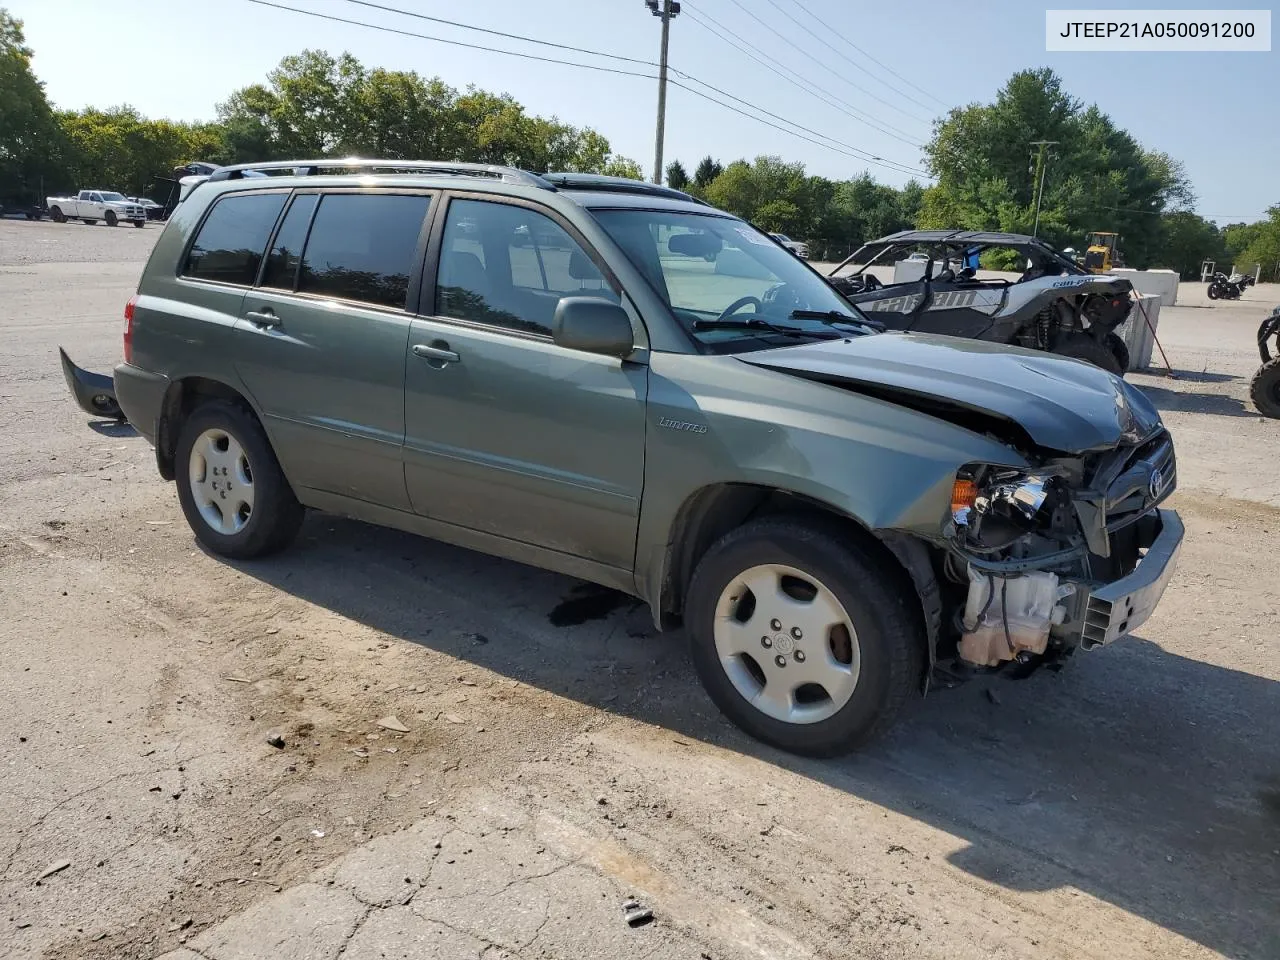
<point>594,325</point>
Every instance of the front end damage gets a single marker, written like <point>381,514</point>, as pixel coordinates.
<point>1074,553</point>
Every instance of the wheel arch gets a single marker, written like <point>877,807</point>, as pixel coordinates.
<point>712,511</point>
<point>182,397</point>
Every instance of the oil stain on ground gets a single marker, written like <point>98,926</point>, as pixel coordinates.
<point>587,601</point>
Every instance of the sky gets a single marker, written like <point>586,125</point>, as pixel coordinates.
<point>1216,112</point>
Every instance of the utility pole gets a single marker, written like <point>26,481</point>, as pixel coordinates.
<point>1041,165</point>
<point>666,9</point>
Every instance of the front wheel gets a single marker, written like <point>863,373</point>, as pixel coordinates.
<point>1213,291</point>
<point>1081,346</point>
<point>139,224</point>
<point>801,639</point>
<point>58,215</point>
<point>1120,350</point>
<point>230,485</point>
<point>1265,389</point>
<point>111,218</point>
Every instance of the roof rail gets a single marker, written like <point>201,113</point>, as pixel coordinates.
<point>307,168</point>
<point>595,181</point>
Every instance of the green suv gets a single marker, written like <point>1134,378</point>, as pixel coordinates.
<point>613,380</point>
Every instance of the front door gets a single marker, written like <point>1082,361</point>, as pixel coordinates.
<point>321,339</point>
<point>506,432</point>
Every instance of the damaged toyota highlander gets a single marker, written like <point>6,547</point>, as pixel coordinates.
<point>613,380</point>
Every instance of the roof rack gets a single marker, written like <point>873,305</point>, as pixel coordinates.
<point>596,181</point>
<point>308,168</point>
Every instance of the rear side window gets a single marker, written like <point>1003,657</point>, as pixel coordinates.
<point>231,241</point>
<point>286,252</point>
<point>363,246</point>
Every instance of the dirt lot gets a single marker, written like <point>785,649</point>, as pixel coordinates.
<point>559,755</point>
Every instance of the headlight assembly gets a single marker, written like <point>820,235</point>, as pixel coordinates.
<point>994,506</point>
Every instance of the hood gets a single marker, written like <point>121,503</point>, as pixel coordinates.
<point>1059,403</point>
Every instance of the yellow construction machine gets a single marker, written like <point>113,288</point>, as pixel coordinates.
<point>1103,253</point>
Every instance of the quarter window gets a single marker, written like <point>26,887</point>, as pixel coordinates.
<point>363,247</point>
<point>509,266</point>
<point>232,238</point>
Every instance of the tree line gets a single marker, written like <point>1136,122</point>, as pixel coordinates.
<point>313,104</point>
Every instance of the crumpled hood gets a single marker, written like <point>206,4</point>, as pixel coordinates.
<point>1062,404</point>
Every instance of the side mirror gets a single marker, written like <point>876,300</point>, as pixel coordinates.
<point>594,325</point>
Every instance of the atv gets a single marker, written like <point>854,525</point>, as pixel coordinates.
<point>1055,305</point>
<point>1265,388</point>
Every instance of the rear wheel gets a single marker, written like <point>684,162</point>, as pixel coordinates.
<point>1265,389</point>
<point>230,485</point>
<point>1120,350</point>
<point>58,215</point>
<point>111,218</point>
<point>800,639</point>
<point>1081,346</point>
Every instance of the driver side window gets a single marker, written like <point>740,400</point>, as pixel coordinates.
<point>509,266</point>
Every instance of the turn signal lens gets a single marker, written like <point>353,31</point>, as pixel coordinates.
<point>963,494</point>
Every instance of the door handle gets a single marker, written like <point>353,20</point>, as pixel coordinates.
<point>264,318</point>
<point>435,353</point>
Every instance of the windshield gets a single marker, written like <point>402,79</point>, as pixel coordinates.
<point>112,196</point>
<point>719,275</point>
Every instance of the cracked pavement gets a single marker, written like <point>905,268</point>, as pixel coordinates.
<point>559,752</point>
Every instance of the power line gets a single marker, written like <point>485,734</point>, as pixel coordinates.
<point>797,80</point>
<point>878,63</point>
<point>888,164</point>
<point>499,33</point>
<point>848,59</point>
<point>862,154</point>
<point>809,56</point>
<point>699,93</point>
<point>454,43</point>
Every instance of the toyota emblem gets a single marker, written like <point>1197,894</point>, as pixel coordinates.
<point>1157,482</point>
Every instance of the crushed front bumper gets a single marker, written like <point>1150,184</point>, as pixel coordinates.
<point>1120,607</point>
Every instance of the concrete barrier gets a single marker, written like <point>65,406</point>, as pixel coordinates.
<point>1163,283</point>
<point>1137,335</point>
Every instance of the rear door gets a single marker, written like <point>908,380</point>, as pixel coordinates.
<point>323,335</point>
<point>506,432</point>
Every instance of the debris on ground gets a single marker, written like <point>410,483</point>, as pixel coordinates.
<point>275,740</point>
<point>55,867</point>
<point>636,914</point>
<point>393,723</point>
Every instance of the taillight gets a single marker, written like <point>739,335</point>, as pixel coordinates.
<point>128,328</point>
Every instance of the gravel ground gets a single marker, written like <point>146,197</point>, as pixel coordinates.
<point>559,755</point>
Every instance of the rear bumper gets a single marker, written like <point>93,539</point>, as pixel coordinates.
<point>1120,607</point>
<point>140,394</point>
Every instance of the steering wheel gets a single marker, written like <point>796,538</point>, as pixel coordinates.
<point>738,305</point>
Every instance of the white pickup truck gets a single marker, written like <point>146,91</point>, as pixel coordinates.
<point>94,205</point>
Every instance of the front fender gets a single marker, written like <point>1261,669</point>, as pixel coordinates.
<point>716,420</point>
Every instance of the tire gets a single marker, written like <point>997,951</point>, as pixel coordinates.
<point>1264,390</point>
<point>885,646</point>
<point>139,224</point>
<point>1081,346</point>
<point>274,514</point>
<point>58,215</point>
<point>1120,350</point>
<point>111,218</point>
<point>1213,291</point>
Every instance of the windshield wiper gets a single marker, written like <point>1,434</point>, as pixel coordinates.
<point>755,323</point>
<point>832,317</point>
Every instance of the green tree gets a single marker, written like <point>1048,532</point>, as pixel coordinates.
<point>1264,247</point>
<point>707,170</point>
<point>1189,240</point>
<point>1098,176</point>
<point>29,136</point>
<point>677,177</point>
